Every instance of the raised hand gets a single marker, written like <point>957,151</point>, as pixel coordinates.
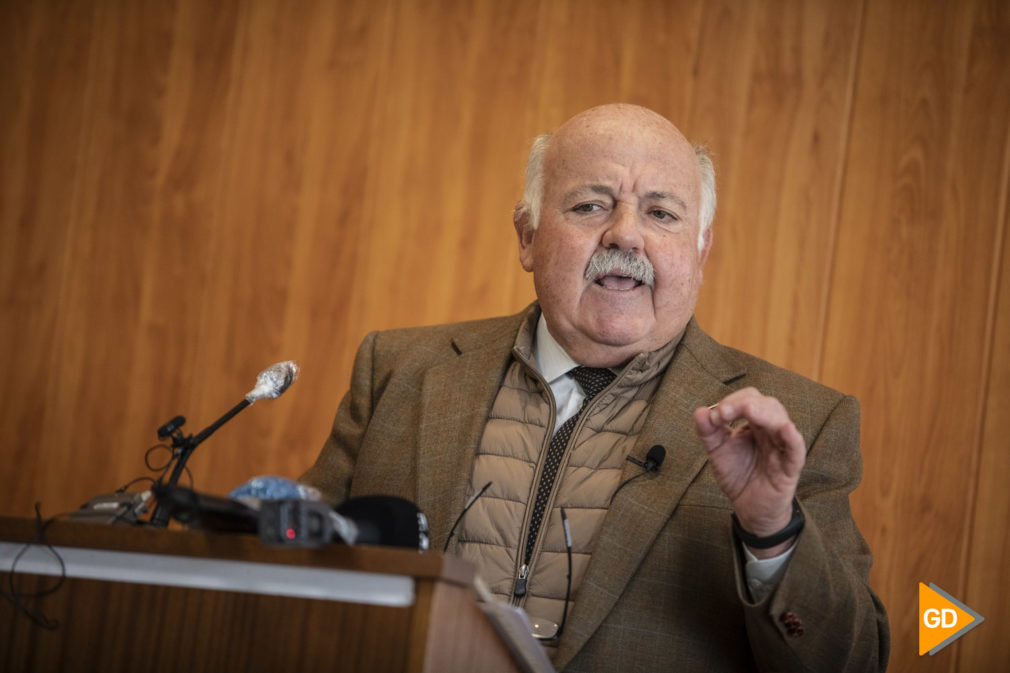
<point>756,454</point>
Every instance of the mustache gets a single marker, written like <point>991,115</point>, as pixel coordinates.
<point>613,261</point>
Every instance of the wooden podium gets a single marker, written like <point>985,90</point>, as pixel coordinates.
<point>141,599</point>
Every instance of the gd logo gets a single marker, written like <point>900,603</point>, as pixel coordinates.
<point>942,619</point>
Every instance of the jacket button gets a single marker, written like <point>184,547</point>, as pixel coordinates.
<point>793,624</point>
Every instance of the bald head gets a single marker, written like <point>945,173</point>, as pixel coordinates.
<point>615,124</point>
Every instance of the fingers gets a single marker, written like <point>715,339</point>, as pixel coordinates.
<point>709,428</point>
<point>764,416</point>
<point>750,405</point>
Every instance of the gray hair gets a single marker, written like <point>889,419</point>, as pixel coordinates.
<point>533,194</point>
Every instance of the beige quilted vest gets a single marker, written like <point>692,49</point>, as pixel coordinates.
<point>511,452</point>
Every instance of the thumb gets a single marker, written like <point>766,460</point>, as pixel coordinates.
<point>709,429</point>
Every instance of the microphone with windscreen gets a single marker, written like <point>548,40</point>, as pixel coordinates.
<point>270,384</point>
<point>273,381</point>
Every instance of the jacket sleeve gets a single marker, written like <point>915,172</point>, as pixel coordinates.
<point>334,466</point>
<point>842,625</point>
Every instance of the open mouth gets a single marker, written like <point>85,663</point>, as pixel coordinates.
<point>619,270</point>
<point>617,282</point>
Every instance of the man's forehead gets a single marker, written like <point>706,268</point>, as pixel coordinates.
<point>644,170</point>
<point>622,125</point>
<point>605,158</point>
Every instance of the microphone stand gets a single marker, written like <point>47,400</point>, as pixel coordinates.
<point>184,447</point>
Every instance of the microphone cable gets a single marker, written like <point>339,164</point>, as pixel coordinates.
<point>466,508</point>
<point>16,597</point>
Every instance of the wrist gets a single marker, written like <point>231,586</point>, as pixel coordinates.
<point>774,540</point>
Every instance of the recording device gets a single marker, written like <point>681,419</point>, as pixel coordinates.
<point>297,521</point>
<point>374,520</point>
<point>301,523</point>
<point>653,461</point>
<point>270,384</point>
<point>121,507</point>
<point>202,511</point>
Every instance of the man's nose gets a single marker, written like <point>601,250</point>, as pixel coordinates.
<point>624,231</point>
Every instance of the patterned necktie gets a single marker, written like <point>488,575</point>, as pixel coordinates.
<point>592,380</point>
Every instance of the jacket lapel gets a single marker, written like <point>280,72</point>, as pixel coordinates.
<point>456,397</point>
<point>697,376</point>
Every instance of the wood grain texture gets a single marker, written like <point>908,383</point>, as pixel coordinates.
<point>987,583</point>
<point>192,191</point>
<point>907,324</point>
<point>107,627</point>
<point>773,104</point>
<point>118,626</point>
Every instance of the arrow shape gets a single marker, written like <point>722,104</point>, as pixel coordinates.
<point>942,619</point>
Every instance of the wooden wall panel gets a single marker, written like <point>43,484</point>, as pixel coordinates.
<point>907,328</point>
<point>772,102</point>
<point>45,131</point>
<point>984,557</point>
<point>987,582</point>
<point>191,191</point>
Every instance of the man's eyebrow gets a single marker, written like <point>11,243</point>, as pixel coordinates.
<point>596,189</point>
<point>666,196</point>
<point>606,190</point>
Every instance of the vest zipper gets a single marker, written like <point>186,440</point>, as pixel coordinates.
<point>524,570</point>
<point>520,588</point>
<point>525,555</point>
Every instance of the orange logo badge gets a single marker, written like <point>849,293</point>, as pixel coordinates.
<point>942,619</point>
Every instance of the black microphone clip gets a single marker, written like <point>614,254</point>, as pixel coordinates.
<point>653,459</point>
<point>168,429</point>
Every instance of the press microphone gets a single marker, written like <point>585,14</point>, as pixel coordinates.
<point>284,512</point>
<point>387,520</point>
<point>273,381</point>
<point>270,384</point>
<point>653,461</point>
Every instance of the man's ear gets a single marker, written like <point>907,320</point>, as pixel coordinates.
<point>706,247</point>
<point>522,219</point>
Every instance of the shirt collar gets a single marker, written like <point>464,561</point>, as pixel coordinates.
<point>540,350</point>
<point>552,360</point>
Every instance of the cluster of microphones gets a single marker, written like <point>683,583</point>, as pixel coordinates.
<point>281,511</point>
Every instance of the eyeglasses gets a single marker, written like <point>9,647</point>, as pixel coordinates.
<point>543,629</point>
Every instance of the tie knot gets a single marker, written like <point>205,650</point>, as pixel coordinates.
<point>592,379</point>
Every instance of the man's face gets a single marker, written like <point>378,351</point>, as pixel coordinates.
<point>620,179</point>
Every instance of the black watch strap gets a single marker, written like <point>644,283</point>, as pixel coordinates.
<point>792,528</point>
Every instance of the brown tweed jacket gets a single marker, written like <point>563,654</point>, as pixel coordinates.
<point>664,590</point>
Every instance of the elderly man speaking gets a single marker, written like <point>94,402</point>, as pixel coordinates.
<point>737,552</point>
